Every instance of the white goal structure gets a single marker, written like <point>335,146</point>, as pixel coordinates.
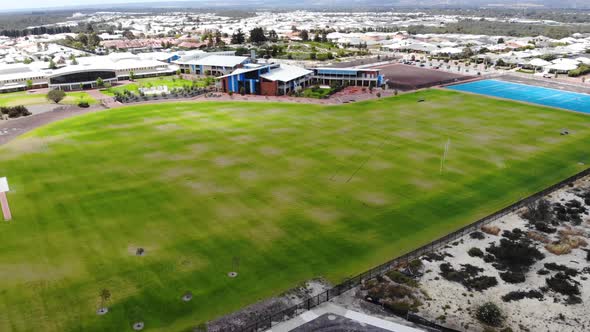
<point>3,200</point>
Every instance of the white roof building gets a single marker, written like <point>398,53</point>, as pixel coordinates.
<point>218,61</point>
<point>286,73</point>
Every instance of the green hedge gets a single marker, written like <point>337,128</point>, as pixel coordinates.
<point>582,70</point>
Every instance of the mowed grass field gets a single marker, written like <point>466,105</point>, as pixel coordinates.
<point>295,191</point>
<point>24,98</point>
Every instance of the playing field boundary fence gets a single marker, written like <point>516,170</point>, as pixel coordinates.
<point>269,321</point>
<point>412,87</point>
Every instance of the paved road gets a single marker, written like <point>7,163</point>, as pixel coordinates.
<point>10,129</point>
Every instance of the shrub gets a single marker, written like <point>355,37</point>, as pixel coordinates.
<point>475,252</point>
<point>477,235</point>
<point>562,284</point>
<point>519,295</point>
<point>581,70</point>
<point>83,104</point>
<point>538,211</point>
<point>401,278</point>
<point>538,237</point>
<point>512,277</point>
<point>416,264</point>
<point>573,299</point>
<point>515,255</point>
<point>467,276</point>
<point>493,230</point>
<point>562,268</point>
<point>15,111</point>
<point>397,307</point>
<point>488,258</point>
<point>490,314</point>
<point>56,96</point>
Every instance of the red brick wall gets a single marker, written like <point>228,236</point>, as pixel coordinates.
<point>224,84</point>
<point>268,88</point>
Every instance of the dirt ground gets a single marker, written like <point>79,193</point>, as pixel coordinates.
<point>405,77</point>
<point>10,129</point>
<point>454,306</point>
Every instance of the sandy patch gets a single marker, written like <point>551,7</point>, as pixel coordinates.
<point>198,148</point>
<point>177,172</point>
<point>322,215</point>
<point>374,198</point>
<point>208,188</point>
<point>270,151</point>
<point>225,161</point>
<point>282,130</point>
<point>378,165</point>
<point>299,162</point>
<point>34,144</point>
<point>423,183</point>
<point>533,122</point>
<point>168,127</point>
<point>148,250</point>
<point>284,195</point>
<point>120,126</point>
<point>249,175</point>
<point>243,139</point>
<point>484,137</point>
<point>272,111</point>
<point>190,263</point>
<point>345,152</point>
<point>156,155</point>
<point>526,148</point>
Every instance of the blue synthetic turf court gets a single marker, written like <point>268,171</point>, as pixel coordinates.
<point>573,101</point>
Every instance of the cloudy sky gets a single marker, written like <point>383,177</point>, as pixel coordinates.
<point>30,4</point>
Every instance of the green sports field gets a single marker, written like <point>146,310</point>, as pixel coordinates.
<point>24,98</point>
<point>295,191</point>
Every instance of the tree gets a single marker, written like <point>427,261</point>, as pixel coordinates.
<point>93,40</point>
<point>128,34</point>
<point>131,75</point>
<point>238,37</point>
<point>500,40</point>
<point>304,35</point>
<point>257,36</point>
<point>105,296</point>
<point>467,52</point>
<point>27,61</point>
<point>99,82</point>
<point>29,84</point>
<point>218,40</point>
<point>82,38</point>
<point>56,96</point>
<point>52,64</point>
<point>273,36</point>
<point>490,314</point>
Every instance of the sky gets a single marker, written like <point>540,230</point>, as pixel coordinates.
<point>32,4</point>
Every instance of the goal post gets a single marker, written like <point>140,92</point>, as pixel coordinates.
<point>4,200</point>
